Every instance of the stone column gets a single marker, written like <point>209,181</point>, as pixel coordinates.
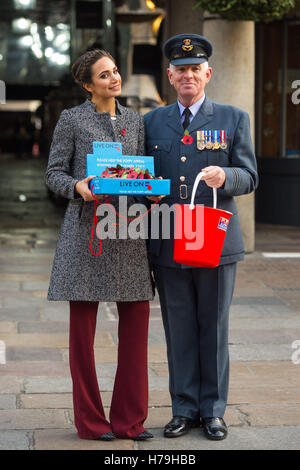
<point>140,85</point>
<point>138,30</point>
<point>180,19</point>
<point>233,82</point>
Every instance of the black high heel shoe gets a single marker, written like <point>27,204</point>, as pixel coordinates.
<point>143,436</point>
<point>108,436</point>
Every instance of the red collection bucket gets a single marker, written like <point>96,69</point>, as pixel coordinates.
<point>199,232</point>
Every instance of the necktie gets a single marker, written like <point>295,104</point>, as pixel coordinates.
<point>186,121</point>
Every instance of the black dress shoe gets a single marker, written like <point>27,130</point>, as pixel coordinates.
<point>214,428</point>
<point>109,436</point>
<point>180,425</point>
<point>143,436</point>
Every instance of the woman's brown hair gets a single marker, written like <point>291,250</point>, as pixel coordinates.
<point>82,67</point>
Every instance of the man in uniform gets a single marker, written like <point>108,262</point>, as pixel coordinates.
<point>192,135</point>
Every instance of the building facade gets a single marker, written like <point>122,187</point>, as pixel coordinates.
<point>40,39</point>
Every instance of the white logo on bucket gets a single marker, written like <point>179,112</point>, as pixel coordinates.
<point>223,224</point>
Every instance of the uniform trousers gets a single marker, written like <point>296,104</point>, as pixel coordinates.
<point>129,405</point>
<point>195,306</point>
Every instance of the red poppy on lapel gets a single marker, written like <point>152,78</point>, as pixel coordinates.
<point>187,139</point>
<point>123,132</point>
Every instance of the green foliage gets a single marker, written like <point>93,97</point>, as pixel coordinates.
<point>247,10</point>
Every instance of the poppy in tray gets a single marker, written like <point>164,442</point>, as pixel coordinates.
<point>126,173</point>
<point>122,174</point>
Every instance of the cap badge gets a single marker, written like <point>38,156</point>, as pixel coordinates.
<point>187,46</point>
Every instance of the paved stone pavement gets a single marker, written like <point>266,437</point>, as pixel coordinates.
<point>35,386</point>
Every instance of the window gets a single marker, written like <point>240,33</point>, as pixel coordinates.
<point>277,71</point>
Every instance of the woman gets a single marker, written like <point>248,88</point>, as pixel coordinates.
<point>120,273</point>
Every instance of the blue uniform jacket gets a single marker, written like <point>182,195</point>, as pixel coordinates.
<point>164,132</point>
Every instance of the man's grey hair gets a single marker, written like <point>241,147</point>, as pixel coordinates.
<point>204,66</point>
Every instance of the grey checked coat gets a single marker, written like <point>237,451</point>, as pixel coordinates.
<point>121,272</point>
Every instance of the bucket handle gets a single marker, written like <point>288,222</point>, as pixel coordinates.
<point>197,180</point>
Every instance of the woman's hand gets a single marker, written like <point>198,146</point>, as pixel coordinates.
<point>82,188</point>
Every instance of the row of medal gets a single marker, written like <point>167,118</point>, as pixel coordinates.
<point>212,140</point>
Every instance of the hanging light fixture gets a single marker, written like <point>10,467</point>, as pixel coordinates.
<point>25,4</point>
<point>151,5</point>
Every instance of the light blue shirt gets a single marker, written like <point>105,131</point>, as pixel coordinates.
<point>194,108</point>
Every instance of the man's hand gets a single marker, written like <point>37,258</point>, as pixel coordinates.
<point>155,198</point>
<point>214,176</point>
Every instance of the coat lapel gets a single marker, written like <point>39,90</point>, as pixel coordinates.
<point>174,119</point>
<point>204,115</point>
<point>122,122</point>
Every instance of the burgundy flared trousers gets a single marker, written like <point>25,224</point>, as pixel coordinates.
<point>129,405</point>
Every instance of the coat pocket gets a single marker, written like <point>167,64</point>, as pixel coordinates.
<point>86,212</point>
<point>161,151</point>
<point>220,157</point>
<point>75,208</point>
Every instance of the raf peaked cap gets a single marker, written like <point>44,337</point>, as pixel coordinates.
<point>187,49</point>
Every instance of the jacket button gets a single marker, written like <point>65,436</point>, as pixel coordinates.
<point>182,178</point>
<point>183,159</point>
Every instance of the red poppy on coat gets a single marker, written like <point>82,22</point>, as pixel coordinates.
<point>123,131</point>
<point>187,140</point>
